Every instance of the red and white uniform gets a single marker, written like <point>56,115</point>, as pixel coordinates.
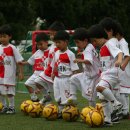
<point>39,61</point>
<point>125,77</point>
<point>9,56</point>
<point>87,80</point>
<point>108,56</point>
<point>44,78</point>
<point>63,66</point>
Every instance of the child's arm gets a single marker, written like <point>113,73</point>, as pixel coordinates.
<point>82,61</point>
<point>20,72</point>
<point>119,59</point>
<point>125,62</point>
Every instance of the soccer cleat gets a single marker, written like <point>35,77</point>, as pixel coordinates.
<point>45,100</point>
<point>107,124</point>
<point>4,110</point>
<point>116,107</point>
<point>11,111</point>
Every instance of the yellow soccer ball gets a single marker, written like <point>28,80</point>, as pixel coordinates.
<point>35,109</point>
<point>50,112</point>
<point>24,106</point>
<point>94,119</point>
<point>85,111</point>
<point>99,108</point>
<point>1,106</point>
<point>70,113</point>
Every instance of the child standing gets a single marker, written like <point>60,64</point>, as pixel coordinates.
<point>63,67</point>
<point>87,80</point>
<point>111,59</point>
<point>39,61</point>
<point>44,81</point>
<point>9,57</point>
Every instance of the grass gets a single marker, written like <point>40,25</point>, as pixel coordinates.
<point>22,122</point>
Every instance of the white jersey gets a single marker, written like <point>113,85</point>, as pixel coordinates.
<point>108,54</point>
<point>91,55</point>
<point>125,79</point>
<point>63,63</point>
<point>39,60</point>
<point>9,56</point>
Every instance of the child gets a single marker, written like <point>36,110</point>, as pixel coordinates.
<point>39,60</point>
<point>111,59</point>
<point>63,67</point>
<point>9,57</point>
<point>87,80</point>
<point>125,77</point>
<point>44,80</point>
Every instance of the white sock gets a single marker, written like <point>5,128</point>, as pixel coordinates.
<point>3,100</point>
<point>92,103</point>
<point>107,111</point>
<point>61,107</point>
<point>107,93</point>
<point>123,100</point>
<point>33,96</point>
<point>11,101</point>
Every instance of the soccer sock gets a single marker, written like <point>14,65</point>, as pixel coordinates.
<point>107,110</point>
<point>107,93</point>
<point>61,107</point>
<point>3,100</point>
<point>127,98</point>
<point>33,96</point>
<point>123,100</point>
<point>92,103</point>
<point>11,101</point>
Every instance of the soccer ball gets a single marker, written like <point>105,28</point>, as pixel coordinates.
<point>94,119</point>
<point>70,113</point>
<point>24,106</point>
<point>1,106</point>
<point>35,109</point>
<point>50,112</point>
<point>99,108</point>
<point>85,111</point>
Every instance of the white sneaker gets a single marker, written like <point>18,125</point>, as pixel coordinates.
<point>117,107</point>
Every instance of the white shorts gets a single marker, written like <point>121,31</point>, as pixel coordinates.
<point>44,83</point>
<point>125,81</point>
<point>110,78</point>
<point>30,82</point>
<point>5,90</point>
<point>85,84</point>
<point>47,78</point>
<point>61,89</point>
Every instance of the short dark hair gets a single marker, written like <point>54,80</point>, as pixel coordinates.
<point>42,37</point>
<point>97,31</point>
<point>6,29</point>
<point>80,34</point>
<point>62,35</point>
<point>109,24</point>
<point>119,29</point>
<point>57,26</point>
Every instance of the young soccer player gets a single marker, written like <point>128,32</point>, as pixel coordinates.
<point>39,61</point>
<point>44,80</point>
<point>63,67</point>
<point>9,58</point>
<point>111,59</point>
<point>125,77</point>
<point>87,80</point>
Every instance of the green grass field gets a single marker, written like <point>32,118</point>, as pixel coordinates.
<point>22,122</point>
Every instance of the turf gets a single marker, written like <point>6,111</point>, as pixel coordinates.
<point>22,122</point>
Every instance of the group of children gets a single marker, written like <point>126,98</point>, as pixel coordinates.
<point>105,71</point>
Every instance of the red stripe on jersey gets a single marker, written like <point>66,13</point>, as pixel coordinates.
<point>104,51</point>
<point>1,67</point>
<point>8,51</point>
<point>46,53</point>
<point>48,70</point>
<point>38,65</point>
<point>63,58</point>
<point>56,49</point>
